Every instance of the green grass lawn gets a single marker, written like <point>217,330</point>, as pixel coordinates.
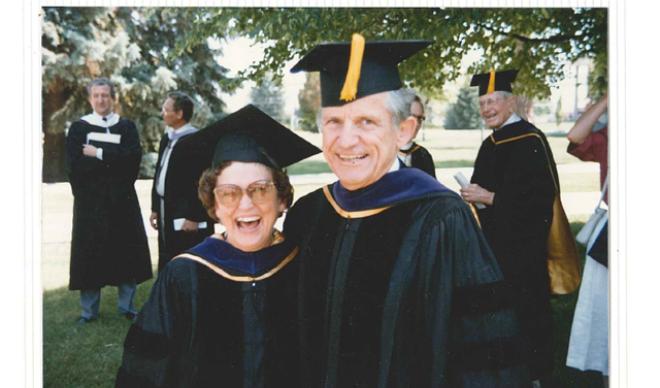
<point>308,167</point>
<point>453,163</point>
<point>317,167</point>
<point>570,182</point>
<point>458,149</point>
<point>83,356</point>
<point>89,355</point>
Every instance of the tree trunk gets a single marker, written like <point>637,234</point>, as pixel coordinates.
<point>53,169</point>
<point>53,162</point>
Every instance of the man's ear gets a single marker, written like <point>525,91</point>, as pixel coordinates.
<point>512,104</point>
<point>406,131</point>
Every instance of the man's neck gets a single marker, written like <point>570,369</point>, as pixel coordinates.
<point>396,165</point>
<point>178,126</point>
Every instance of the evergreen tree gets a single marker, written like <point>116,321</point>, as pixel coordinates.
<point>309,101</point>
<point>267,96</point>
<point>133,47</point>
<point>464,113</point>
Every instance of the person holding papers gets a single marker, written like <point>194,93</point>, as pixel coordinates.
<point>514,180</point>
<point>176,212</point>
<point>108,242</point>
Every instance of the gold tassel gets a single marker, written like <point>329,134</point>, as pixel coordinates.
<point>491,82</point>
<point>349,91</point>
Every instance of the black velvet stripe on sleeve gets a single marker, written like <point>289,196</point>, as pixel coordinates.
<point>497,354</point>
<point>481,298</point>
<point>146,344</point>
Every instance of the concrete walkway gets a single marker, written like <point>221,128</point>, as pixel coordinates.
<point>57,205</point>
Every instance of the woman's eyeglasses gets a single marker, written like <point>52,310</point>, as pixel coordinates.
<point>259,192</point>
<point>420,118</point>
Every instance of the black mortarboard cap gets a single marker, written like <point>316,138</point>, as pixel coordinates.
<point>494,81</point>
<point>250,135</point>
<point>377,70</point>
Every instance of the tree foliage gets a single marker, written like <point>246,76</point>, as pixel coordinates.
<point>149,51</point>
<point>464,113</point>
<point>537,41</point>
<point>267,96</point>
<point>133,47</point>
<point>309,102</point>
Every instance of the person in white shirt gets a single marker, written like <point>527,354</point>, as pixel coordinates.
<point>176,212</point>
<point>108,242</point>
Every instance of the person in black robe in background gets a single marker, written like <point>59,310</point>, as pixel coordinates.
<point>512,177</point>
<point>108,240</point>
<point>397,285</point>
<point>174,191</point>
<point>223,313</point>
<point>413,154</point>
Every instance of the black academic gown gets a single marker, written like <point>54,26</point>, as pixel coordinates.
<point>202,328</point>
<point>108,241</point>
<point>514,166</point>
<point>181,201</point>
<point>421,158</point>
<point>406,297</point>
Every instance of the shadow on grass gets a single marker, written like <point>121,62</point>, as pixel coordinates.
<point>89,355</point>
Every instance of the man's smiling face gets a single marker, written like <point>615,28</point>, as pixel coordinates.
<point>360,141</point>
<point>495,109</point>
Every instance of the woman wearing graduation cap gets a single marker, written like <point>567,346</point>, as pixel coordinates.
<point>222,313</point>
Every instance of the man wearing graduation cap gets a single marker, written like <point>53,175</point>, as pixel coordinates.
<point>513,177</point>
<point>397,286</point>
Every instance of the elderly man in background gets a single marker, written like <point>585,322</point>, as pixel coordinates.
<point>513,178</point>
